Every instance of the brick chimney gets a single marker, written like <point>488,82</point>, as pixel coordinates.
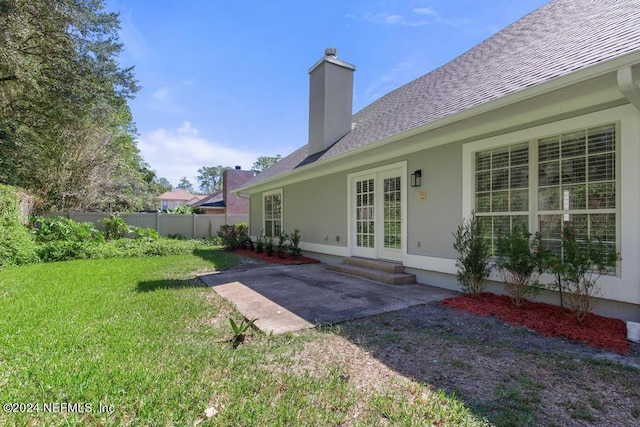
<point>232,179</point>
<point>330,101</point>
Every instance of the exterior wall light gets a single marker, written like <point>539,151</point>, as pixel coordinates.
<point>416,178</point>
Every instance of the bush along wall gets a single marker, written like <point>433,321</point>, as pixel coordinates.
<point>17,246</point>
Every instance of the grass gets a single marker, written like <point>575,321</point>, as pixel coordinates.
<point>142,338</point>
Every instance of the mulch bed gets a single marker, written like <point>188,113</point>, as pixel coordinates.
<point>275,259</point>
<point>549,320</point>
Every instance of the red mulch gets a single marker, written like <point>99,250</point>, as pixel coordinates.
<point>549,320</point>
<point>275,259</point>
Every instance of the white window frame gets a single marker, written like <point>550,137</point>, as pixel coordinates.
<point>264,211</point>
<point>532,135</point>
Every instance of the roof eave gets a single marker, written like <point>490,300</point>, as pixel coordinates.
<point>596,70</point>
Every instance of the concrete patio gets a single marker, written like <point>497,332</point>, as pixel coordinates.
<point>287,298</point>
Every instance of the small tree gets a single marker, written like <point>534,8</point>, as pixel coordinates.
<point>578,269</point>
<point>474,252</point>
<point>519,264</point>
<point>294,244</point>
<point>281,247</point>
<point>234,236</point>
<point>114,227</point>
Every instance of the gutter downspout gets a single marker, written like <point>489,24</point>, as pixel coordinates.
<point>628,86</point>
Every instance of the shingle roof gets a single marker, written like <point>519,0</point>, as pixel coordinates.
<point>177,194</point>
<point>561,37</point>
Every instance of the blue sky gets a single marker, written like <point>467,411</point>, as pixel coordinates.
<point>224,82</point>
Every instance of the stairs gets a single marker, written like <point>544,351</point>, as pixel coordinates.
<point>382,271</point>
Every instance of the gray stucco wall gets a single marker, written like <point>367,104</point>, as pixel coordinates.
<point>432,220</point>
<point>318,207</point>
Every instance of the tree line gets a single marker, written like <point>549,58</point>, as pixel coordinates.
<point>66,132</point>
<point>67,135</point>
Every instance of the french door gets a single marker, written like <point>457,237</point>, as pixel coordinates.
<point>377,214</point>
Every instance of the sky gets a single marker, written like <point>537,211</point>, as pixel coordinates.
<point>226,81</point>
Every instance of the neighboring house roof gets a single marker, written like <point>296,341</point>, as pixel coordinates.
<point>177,194</point>
<point>214,200</point>
<point>560,38</point>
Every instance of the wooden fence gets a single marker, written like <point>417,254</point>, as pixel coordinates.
<point>196,225</point>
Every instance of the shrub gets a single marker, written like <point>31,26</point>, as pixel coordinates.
<point>147,234</point>
<point>519,264</point>
<point>56,228</point>
<point>260,243</point>
<point>62,250</point>
<point>281,247</point>
<point>115,227</point>
<point>577,270</point>
<point>17,245</point>
<point>294,244</point>
<point>234,236</point>
<point>473,255</point>
<point>269,246</point>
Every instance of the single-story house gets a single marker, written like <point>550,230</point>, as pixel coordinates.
<point>225,201</point>
<point>538,125</point>
<point>174,198</point>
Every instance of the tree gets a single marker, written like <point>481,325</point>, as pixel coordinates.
<point>210,178</point>
<point>66,132</point>
<point>185,184</point>
<point>264,162</point>
<point>163,184</point>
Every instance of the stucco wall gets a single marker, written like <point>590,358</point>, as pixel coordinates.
<point>431,221</point>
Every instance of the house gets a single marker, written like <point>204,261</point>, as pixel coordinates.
<point>538,125</point>
<point>174,198</point>
<point>225,201</point>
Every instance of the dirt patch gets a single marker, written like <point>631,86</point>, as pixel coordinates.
<point>549,320</point>
<point>504,373</point>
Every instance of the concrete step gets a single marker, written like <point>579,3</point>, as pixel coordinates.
<point>374,264</point>
<point>388,277</point>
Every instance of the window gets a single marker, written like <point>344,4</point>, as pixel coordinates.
<point>165,205</point>
<point>574,184</point>
<point>502,189</point>
<point>577,185</point>
<point>272,208</point>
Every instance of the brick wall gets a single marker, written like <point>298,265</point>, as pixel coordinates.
<point>232,179</point>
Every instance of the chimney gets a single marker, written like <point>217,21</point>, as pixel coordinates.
<point>330,101</point>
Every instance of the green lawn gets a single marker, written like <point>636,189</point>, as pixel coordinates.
<point>141,337</point>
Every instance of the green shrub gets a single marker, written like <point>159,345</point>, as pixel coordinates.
<point>294,244</point>
<point>577,270</point>
<point>260,243</point>
<point>473,255</point>
<point>281,247</point>
<point>17,245</point>
<point>269,246</point>
<point>518,260</point>
<point>115,227</point>
<point>56,228</point>
<point>234,236</point>
<point>147,234</point>
<point>67,250</point>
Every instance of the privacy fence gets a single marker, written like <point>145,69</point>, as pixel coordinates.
<point>195,225</point>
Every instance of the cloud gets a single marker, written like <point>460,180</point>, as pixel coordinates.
<point>160,94</point>
<point>391,19</point>
<point>388,81</point>
<point>174,153</point>
<point>133,40</point>
<point>162,100</point>
<point>426,11</point>
<point>415,18</point>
